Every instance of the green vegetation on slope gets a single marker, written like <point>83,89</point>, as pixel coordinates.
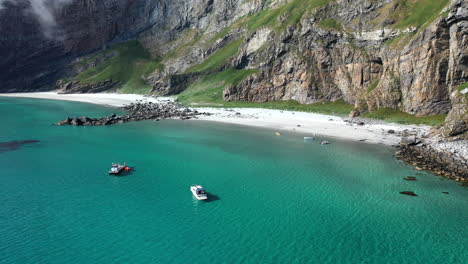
<point>406,13</point>
<point>209,90</point>
<point>218,58</point>
<point>418,12</point>
<point>128,67</point>
<point>292,11</point>
<point>338,108</point>
<point>462,87</point>
<point>372,86</point>
<point>330,23</point>
<point>397,116</point>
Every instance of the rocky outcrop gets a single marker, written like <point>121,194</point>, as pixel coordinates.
<point>136,112</point>
<point>456,125</point>
<point>424,156</point>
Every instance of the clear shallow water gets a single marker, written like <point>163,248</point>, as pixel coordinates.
<point>275,199</point>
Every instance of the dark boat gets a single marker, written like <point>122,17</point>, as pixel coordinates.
<point>116,168</point>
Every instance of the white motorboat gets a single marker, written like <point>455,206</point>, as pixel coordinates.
<point>198,192</point>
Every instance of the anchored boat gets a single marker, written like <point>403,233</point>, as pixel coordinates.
<point>198,192</point>
<point>116,168</point>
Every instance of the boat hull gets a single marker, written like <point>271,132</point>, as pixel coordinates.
<point>118,172</point>
<point>197,196</point>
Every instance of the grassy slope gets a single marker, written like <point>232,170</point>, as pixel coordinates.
<point>218,58</point>
<point>128,67</point>
<point>209,90</point>
<point>397,116</point>
<point>331,24</point>
<point>417,13</point>
<point>462,87</point>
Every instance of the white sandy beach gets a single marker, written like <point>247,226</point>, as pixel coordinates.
<point>277,120</point>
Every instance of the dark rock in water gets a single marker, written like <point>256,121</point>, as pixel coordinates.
<point>409,193</point>
<point>76,122</point>
<point>445,192</point>
<point>361,123</point>
<point>391,131</point>
<point>66,121</point>
<point>410,178</point>
<point>15,145</point>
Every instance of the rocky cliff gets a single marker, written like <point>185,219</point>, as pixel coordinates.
<point>41,38</point>
<point>409,55</point>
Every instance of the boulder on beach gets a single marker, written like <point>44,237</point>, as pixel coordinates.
<point>354,113</point>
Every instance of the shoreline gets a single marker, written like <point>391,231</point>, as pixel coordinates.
<point>373,131</point>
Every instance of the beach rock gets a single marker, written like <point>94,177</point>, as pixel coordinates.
<point>410,141</point>
<point>424,156</point>
<point>354,113</point>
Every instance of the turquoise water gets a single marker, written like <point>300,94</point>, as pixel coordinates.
<point>274,199</point>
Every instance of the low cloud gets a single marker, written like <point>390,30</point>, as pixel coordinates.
<point>44,12</point>
<point>1,3</point>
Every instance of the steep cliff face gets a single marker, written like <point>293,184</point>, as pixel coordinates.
<point>310,64</point>
<point>401,54</point>
<point>39,38</point>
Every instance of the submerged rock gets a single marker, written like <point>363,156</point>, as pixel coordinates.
<point>409,193</point>
<point>14,145</point>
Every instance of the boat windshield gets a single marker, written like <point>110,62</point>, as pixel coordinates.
<point>201,192</point>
